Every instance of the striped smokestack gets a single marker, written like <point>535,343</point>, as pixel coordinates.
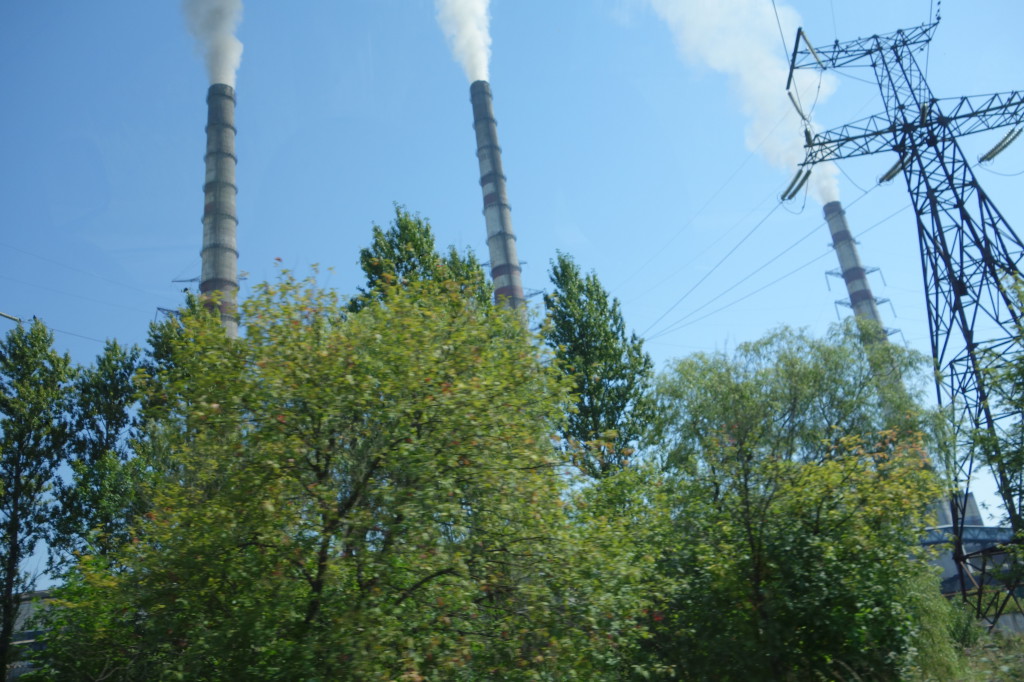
<point>501,240</point>
<point>220,221</point>
<point>884,367</point>
<point>861,299</point>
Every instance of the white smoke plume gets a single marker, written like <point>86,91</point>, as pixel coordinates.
<point>213,23</point>
<point>740,38</point>
<point>466,25</point>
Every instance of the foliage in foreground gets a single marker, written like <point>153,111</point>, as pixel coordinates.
<point>611,372</point>
<point>796,509</point>
<point>368,490</point>
<point>998,657</point>
<point>66,482</point>
<point>33,381</point>
<point>366,495</point>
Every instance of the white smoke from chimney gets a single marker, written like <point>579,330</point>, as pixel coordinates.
<point>740,38</point>
<point>213,23</point>
<point>466,25</point>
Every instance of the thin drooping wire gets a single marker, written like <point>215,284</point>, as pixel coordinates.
<point>25,320</point>
<point>112,304</point>
<point>686,323</point>
<point>710,246</point>
<point>714,268</point>
<point>80,336</point>
<point>782,36</point>
<point>66,266</point>
<point>928,47</point>
<point>675,325</point>
<point>191,267</point>
<point>785,50</point>
<point>711,200</point>
<point>1005,175</point>
<point>742,298</point>
<point>852,182</point>
<point>844,74</point>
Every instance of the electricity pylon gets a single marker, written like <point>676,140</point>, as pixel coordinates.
<point>969,258</point>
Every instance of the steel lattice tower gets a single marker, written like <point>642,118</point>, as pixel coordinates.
<point>969,258</point>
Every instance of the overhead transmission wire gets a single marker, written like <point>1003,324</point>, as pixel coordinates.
<point>1005,175</point>
<point>806,118</point>
<point>782,35</point>
<point>714,268</point>
<point>704,206</point>
<point>80,336</point>
<point>676,325</point>
<point>73,268</point>
<point>81,271</point>
<point>707,248</point>
<point>68,293</point>
<point>764,265</point>
<point>686,321</point>
<point>22,320</point>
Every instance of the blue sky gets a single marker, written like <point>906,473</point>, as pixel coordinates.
<point>617,149</point>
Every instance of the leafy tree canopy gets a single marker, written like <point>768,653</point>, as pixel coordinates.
<point>785,396</point>
<point>405,252</point>
<point>798,507</point>
<point>611,371</point>
<point>34,383</point>
<point>367,495</point>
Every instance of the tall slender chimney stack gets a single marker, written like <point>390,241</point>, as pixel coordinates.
<point>862,301</point>
<point>220,220</point>
<point>501,240</point>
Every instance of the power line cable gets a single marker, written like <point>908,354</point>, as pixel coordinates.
<point>684,322</point>
<point>675,325</point>
<point>73,268</point>
<point>709,202</point>
<point>80,336</point>
<point>715,267</point>
<point>782,35</point>
<point>67,293</point>
<point>723,235</point>
<point>734,248</point>
<point>1005,175</point>
<point>742,281</point>
<point>741,298</point>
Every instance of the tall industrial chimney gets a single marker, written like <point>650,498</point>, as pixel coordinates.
<point>862,301</point>
<point>501,240</point>
<point>220,221</point>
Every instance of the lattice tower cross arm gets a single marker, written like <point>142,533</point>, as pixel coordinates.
<point>968,251</point>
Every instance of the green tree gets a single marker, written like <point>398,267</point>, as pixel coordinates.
<point>1003,451</point>
<point>798,510</point>
<point>366,495</point>
<point>99,498</point>
<point>611,370</point>
<point>405,252</point>
<point>33,436</point>
<point>786,396</point>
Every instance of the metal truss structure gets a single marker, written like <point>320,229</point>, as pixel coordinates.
<point>969,254</point>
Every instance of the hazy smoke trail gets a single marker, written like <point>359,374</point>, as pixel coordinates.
<point>213,23</point>
<point>740,38</point>
<point>466,26</point>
